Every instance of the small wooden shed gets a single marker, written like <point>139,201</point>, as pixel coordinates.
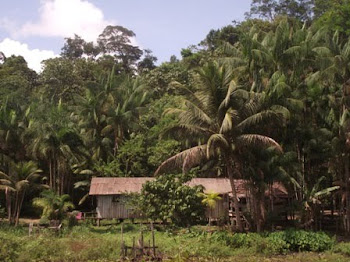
<point>111,195</point>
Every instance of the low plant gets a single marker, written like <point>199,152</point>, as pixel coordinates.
<point>9,247</point>
<point>342,248</point>
<point>281,242</point>
<point>301,240</point>
<point>54,206</point>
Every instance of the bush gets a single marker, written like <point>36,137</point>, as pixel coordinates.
<point>342,248</point>
<point>169,198</point>
<point>9,248</point>
<point>275,243</point>
<point>300,240</point>
<point>282,242</point>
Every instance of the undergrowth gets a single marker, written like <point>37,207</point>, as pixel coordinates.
<point>89,243</point>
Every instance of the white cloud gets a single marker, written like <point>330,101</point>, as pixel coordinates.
<point>34,57</point>
<point>64,18</point>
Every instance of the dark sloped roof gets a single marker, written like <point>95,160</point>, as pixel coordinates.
<point>122,185</point>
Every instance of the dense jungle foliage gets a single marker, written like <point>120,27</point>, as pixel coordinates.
<point>266,100</point>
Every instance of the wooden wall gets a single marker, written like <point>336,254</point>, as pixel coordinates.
<point>221,209</point>
<point>116,206</point>
<point>110,207</point>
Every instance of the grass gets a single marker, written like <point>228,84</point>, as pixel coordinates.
<point>89,243</point>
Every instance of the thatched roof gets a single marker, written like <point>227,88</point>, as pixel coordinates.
<point>122,185</point>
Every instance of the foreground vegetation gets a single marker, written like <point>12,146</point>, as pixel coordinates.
<point>89,243</point>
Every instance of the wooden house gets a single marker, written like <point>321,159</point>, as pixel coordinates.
<point>112,195</point>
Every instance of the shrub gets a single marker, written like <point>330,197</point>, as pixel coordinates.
<point>342,248</point>
<point>9,248</point>
<point>275,244</point>
<point>169,198</point>
<point>300,240</point>
<point>281,242</point>
<point>244,240</point>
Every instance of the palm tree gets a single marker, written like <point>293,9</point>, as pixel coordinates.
<point>12,124</point>
<point>313,194</point>
<point>210,199</point>
<point>225,119</point>
<point>54,206</point>
<point>109,113</point>
<point>334,74</point>
<point>126,102</point>
<point>54,140</point>
<point>21,176</point>
<point>293,66</point>
<point>92,119</point>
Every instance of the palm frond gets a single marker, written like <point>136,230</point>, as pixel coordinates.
<point>326,192</point>
<point>5,187</point>
<point>253,140</point>
<point>185,159</point>
<point>214,141</point>
<point>264,117</point>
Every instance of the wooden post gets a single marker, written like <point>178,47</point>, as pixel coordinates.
<point>122,251</point>
<point>153,240</point>
<point>133,247</point>
<point>30,229</point>
<point>141,240</point>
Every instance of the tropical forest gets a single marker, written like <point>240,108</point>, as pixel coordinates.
<point>259,110</point>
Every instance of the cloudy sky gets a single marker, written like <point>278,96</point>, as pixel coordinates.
<point>36,29</point>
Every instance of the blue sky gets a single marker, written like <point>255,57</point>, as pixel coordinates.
<point>36,28</point>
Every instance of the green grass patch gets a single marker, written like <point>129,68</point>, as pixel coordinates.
<point>89,243</point>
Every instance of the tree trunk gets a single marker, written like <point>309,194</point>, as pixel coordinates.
<point>61,183</point>
<point>8,203</point>
<point>234,194</point>
<point>19,207</point>
<point>14,213</point>
<point>261,210</point>
<point>347,194</point>
<point>54,170</point>
<point>51,175</point>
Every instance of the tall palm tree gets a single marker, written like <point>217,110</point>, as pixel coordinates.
<point>92,117</point>
<point>109,113</point>
<point>22,175</point>
<point>53,139</point>
<point>226,120</point>
<point>126,102</point>
<point>12,124</point>
<point>334,74</point>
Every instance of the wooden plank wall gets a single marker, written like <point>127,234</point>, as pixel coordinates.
<point>221,209</point>
<point>115,207</point>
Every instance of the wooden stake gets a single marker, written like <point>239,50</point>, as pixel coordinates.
<point>122,251</point>
<point>31,225</point>
<point>133,247</point>
<point>153,240</point>
<point>141,241</point>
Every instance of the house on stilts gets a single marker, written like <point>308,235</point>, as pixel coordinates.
<point>112,196</point>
